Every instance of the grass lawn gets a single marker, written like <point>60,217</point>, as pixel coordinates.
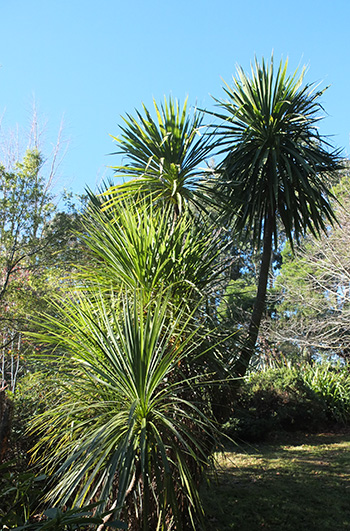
<point>298,482</point>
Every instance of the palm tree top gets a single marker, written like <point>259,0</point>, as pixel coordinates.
<point>275,161</point>
<point>163,154</point>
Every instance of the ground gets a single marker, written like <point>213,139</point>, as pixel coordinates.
<point>297,482</point>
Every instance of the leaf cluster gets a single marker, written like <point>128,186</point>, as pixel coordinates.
<point>275,161</point>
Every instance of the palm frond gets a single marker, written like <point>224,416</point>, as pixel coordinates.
<point>275,160</point>
<point>165,157</point>
<point>136,246</point>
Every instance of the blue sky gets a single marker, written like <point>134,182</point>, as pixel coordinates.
<point>92,62</point>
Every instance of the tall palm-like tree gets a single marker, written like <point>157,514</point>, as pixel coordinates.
<point>164,155</point>
<point>276,169</point>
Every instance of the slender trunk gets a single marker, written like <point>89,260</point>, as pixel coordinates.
<point>114,504</point>
<point>3,363</point>
<point>259,304</point>
<point>12,348</point>
<point>17,363</point>
<point>175,218</point>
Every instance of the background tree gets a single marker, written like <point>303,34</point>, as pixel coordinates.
<point>33,233</point>
<point>25,209</point>
<point>312,289</point>
<point>36,244</point>
<point>276,167</point>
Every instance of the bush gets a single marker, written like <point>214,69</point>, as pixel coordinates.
<point>275,399</point>
<point>21,484</point>
<point>332,385</point>
<point>31,397</point>
<point>19,494</point>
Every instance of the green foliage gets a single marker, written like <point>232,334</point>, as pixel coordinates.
<point>129,424</point>
<point>22,505</point>
<point>125,417</point>
<point>131,343</point>
<point>71,519</point>
<point>36,245</point>
<point>19,494</point>
<point>164,155</point>
<point>32,397</point>
<point>238,299</point>
<point>25,202</point>
<point>21,484</point>
<point>276,169</point>
<point>135,246</point>
<point>304,397</point>
<point>25,208</point>
<point>275,162</point>
<point>272,400</point>
<point>332,385</point>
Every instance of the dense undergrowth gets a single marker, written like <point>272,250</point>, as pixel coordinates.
<point>308,397</point>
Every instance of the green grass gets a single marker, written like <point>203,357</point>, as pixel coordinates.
<point>299,483</point>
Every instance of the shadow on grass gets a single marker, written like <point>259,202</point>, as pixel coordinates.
<point>295,484</point>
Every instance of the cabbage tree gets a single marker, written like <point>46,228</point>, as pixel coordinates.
<point>125,429</point>
<point>135,246</point>
<point>277,170</point>
<point>164,156</point>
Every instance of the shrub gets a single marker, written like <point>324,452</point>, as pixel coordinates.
<point>275,399</point>
<point>126,429</point>
<point>19,494</point>
<point>332,385</point>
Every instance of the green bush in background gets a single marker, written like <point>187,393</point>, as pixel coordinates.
<point>309,398</point>
<point>331,384</point>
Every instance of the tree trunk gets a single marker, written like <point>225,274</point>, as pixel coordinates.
<point>259,304</point>
<point>6,411</point>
